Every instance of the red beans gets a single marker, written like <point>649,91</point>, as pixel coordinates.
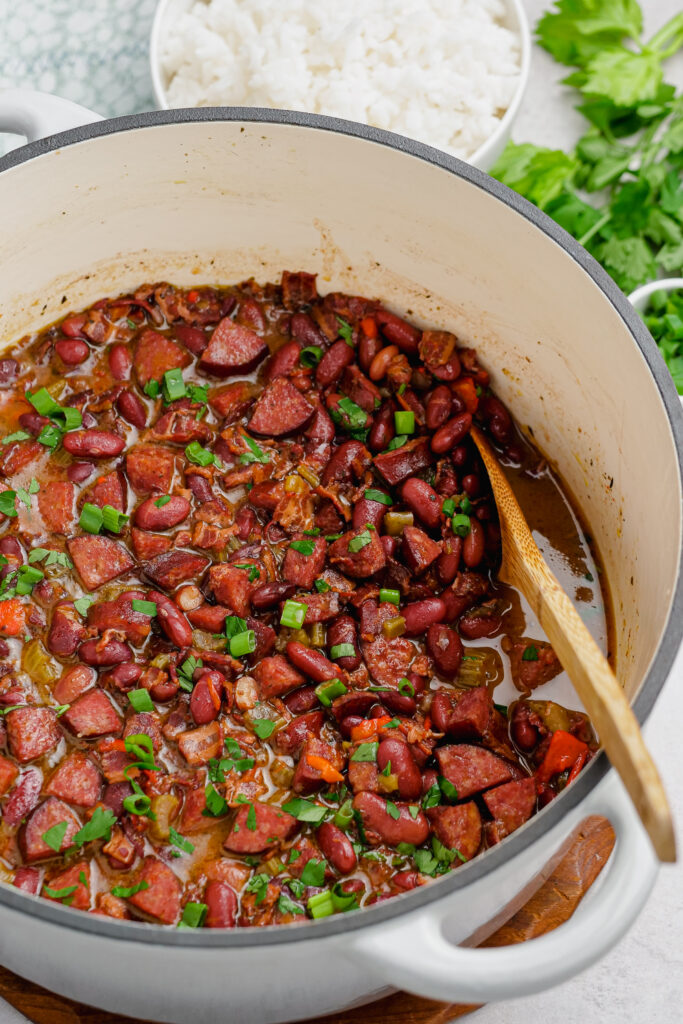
<point>171,619</point>
<point>79,472</point>
<point>398,331</point>
<point>367,350</point>
<point>448,562</point>
<point>396,753</point>
<point>337,848</point>
<point>407,828</point>
<point>132,409</point>
<point>474,544</point>
<point>423,501</point>
<point>451,433</point>
<point>475,627</point>
<point>221,905</point>
<point>98,654</point>
<point>312,663</point>
<point>471,485</point>
<point>304,330</point>
<point>205,701</point>
<point>269,595</point>
<point>368,512</point>
<point>383,429</point>
<point>341,465</point>
<point>380,364</point>
<point>439,406</point>
<point>72,351</point>
<point>333,363</point>
<point>153,516</point>
<point>342,630</point>
<point>124,677</point>
<point>120,362</point>
<point>94,444</point>
<point>284,361</point>
<point>445,647</point>
<point>73,325</point>
<point>302,700</point>
<point>420,615</point>
<point>33,422</point>
<point>398,703</point>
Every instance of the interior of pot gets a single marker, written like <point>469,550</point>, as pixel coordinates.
<point>219,201</point>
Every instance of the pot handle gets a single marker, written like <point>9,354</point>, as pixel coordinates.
<point>37,114</point>
<point>412,953</point>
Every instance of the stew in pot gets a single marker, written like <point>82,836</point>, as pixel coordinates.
<point>251,628</point>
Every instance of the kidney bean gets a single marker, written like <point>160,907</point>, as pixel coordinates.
<point>340,466</point>
<point>429,779</point>
<point>377,820</point>
<point>475,627</point>
<point>269,595</point>
<point>383,428</point>
<point>422,500</point>
<point>448,371</point>
<point>312,663</point>
<point>221,905</point>
<point>302,700</point>
<point>73,326</point>
<point>246,522</point>
<point>132,409</point>
<point>205,700</point>
<point>439,405</point>
<point>192,337</point>
<point>120,362</point>
<point>398,331</point>
<point>367,350</point>
<point>23,797</point>
<point>380,364</point>
<point>367,512</point>
<point>398,704</point>
<point>200,487</point>
<point>347,724</point>
<point>445,648</point>
<point>407,880</point>
<point>420,615</point>
<point>342,630</point>
<point>451,433</point>
<point>333,363</point>
<point>389,544</point>
<point>79,472</point>
<point>171,619</point>
<point>474,544</point>
<point>149,516</point>
<point>11,547</point>
<point>124,677</point>
<point>448,562</point>
<point>497,417</point>
<point>97,444</point>
<point>72,351</point>
<point>304,330</point>
<point>403,766</point>
<point>160,685</point>
<point>460,456</point>
<point>33,422</point>
<point>455,605</point>
<point>337,848</point>
<point>471,485</point>
<point>284,361</point>
<point>113,652</point>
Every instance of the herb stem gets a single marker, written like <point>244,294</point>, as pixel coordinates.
<point>598,226</point>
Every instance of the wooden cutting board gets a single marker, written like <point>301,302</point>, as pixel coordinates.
<point>549,907</point>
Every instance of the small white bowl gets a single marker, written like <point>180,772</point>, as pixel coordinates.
<point>484,157</point>
<point>640,297</point>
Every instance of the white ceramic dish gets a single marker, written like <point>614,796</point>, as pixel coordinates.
<point>218,195</point>
<point>639,299</point>
<point>484,157</point>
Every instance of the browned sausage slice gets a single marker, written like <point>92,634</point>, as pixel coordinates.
<point>270,827</point>
<point>359,553</point>
<point>511,804</point>
<point>471,769</point>
<point>280,410</point>
<point>77,781</point>
<point>161,899</point>
<point>232,349</point>
<point>232,401</point>
<point>31,732</point>
<point>50,813</point>
<point>56,505</point>
<point>304,563</point>
<point>198,746</point>
<point>150,468</point>
<point>231,587</point>
<point>172,568</point>
<point>276,676</point>
<point>99,559</point>
<point>410,459</point>
<point>458,828</point>
<point>419,550</point>
<point>93,714</point>
<point>155,354</point>
<point>120,615</point>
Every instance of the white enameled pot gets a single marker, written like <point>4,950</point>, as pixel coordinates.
<point>219,195</point>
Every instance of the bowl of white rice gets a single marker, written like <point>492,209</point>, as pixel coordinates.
<point>449,73</point>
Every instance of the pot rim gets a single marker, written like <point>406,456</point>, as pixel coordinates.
<point>553,813</point>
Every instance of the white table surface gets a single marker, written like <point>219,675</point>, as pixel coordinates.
<point>642,979</point>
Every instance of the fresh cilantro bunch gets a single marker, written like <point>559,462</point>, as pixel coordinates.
<point>619,192</point>
<point>664,320</point>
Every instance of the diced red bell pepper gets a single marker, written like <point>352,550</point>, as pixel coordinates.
<point>563,752</point>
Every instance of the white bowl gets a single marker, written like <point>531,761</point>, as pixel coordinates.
<point>484,157</point>
<point>639,299</point>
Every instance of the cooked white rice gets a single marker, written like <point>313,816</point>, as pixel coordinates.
<point>442,71</point>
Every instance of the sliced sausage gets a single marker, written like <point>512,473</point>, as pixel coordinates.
<point>272,826</point>
<point>280,410</point>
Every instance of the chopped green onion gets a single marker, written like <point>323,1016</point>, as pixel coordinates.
<point>365,752</point>
<point>124,892</point>
<point>138,804</point>
<point>310,356</point>
<point>43,402</point>
<point>50,436</point>
<point>343,901</point>
<point>404,421</point>
<point>91,518</point>
<point>461,525</point>
<point>355,416</point>
<point>258,884</point>
<point>112,519</point>
<point>140,700</point>
<point>198,455</point>
<point>320,905</point>
<point>304,547</point>
<point>342,651</point>
<point>198,394</point>
<point>293,614</point>
<point>254,571</point>
<point>163,500</point>
<point>344,815</point>
<point>235,625</point>
<point>345,331</point>
<point>193,915</point>
<point>173,385</point>
<point>327,691</point>
<point>322,586</point>
<point>215,804</point>
<point>374,495</point>
<point>144,607</point>
<point>360,542</point>
<point>466,505</point>
<point>396,442</point>
<point>243,643</point>
<point>60,894</point>
<point>18,435</point>
<point>186,671</point>
<point>73,418</point>
<point>27,577</point>
<point>391,596</point>
<point>152,388</point>
<point>432,797</point>
<point>406,688</point>
<point>448,789</point>
<point>255,454</point>
<point>448,507</point>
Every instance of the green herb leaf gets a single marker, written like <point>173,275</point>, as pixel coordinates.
<point>54,837</point>
<point>305,810</point>
<point>263,728</point>
<point>314,872</point>
<point>287,906</point>
<point>124,892</point>
<point>365,752</point>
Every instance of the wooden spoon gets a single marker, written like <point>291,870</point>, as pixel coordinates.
<point>523,567</point>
